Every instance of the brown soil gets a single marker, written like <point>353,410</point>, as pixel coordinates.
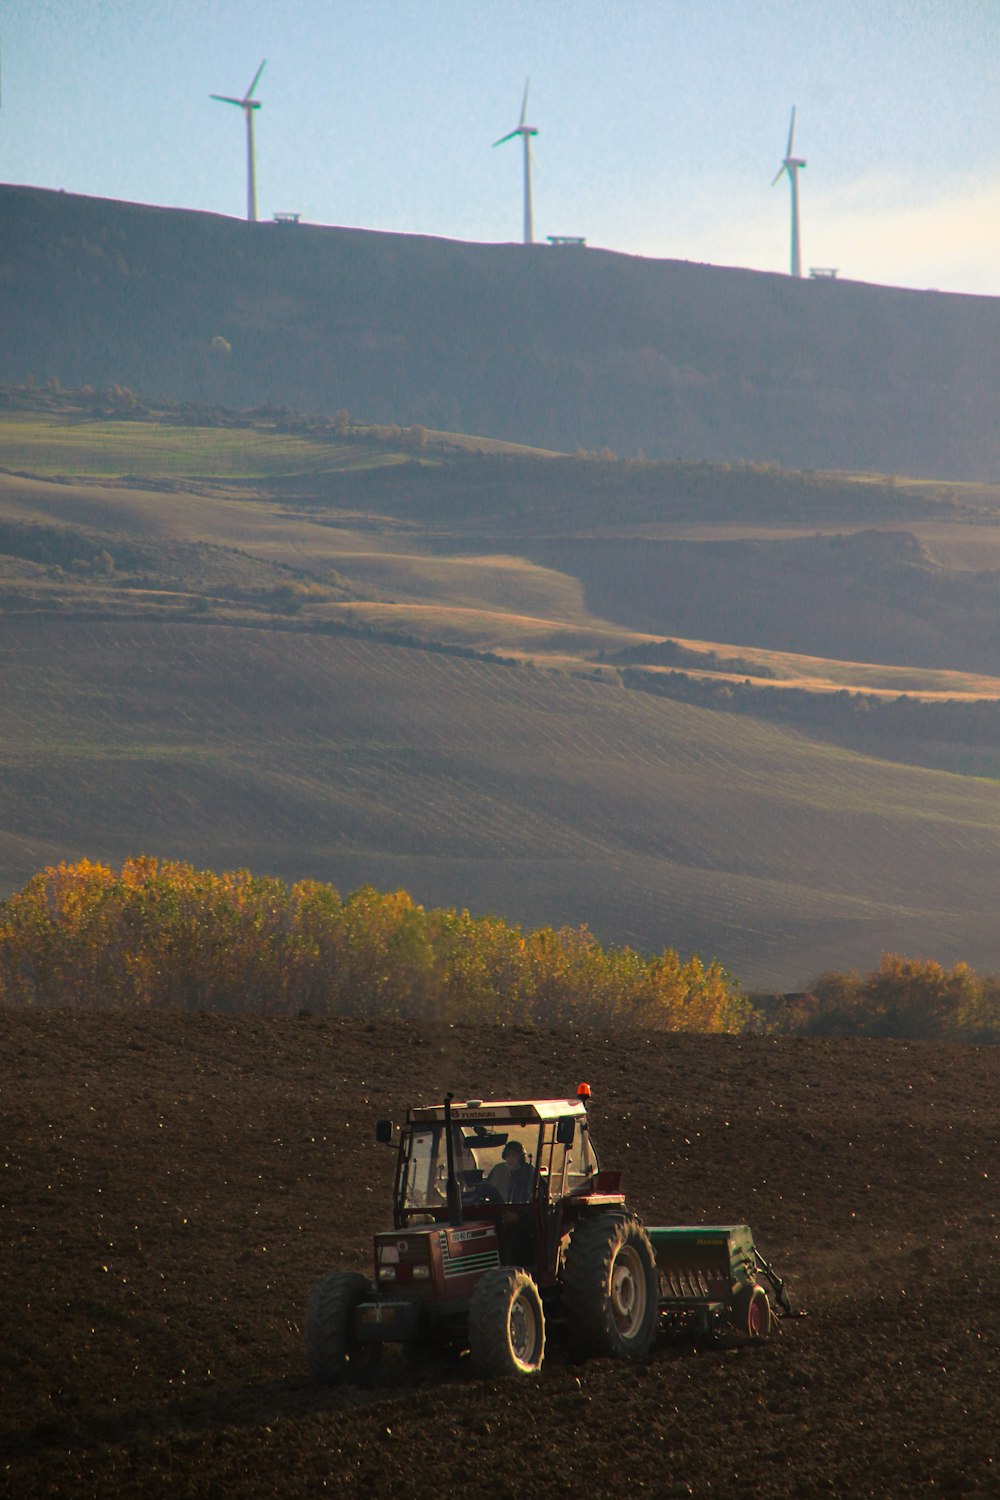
<point>172,1187</point>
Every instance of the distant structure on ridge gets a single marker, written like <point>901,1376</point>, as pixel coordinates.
<point>248,104</point>
<point>525,132</point>
<point>791,165</point>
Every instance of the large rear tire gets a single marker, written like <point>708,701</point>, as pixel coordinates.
<point>610,1289</point>
<point>506,1324</point>
<point>333,1352</point>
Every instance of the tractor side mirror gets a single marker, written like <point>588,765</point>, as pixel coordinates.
<point>565,1131</point>
<point>383,1132</point>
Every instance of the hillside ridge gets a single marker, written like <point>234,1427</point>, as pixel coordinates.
<point>549,347</point>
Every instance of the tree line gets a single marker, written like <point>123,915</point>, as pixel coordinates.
<point>161,935</point>
<point>906,998</point>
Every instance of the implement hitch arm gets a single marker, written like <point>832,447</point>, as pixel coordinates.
<point>781,1296</point>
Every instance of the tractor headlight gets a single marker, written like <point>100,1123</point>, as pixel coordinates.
<point>421,1273</point>
<point>387,1273</point>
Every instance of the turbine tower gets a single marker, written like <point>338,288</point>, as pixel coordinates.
<point>248,104</point>
<point>525,132</point>
<point>791,165</point>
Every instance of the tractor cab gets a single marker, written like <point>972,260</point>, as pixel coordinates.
<point>516,1168</point>
<point>503,1154</point>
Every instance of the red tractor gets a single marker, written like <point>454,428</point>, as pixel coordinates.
<point>505,1227</point>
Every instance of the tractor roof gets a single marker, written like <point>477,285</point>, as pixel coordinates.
<point>503,1109</point>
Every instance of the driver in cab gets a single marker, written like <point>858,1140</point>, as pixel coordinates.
<point>513,1176</point>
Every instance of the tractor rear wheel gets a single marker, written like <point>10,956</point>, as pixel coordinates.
<point>751,1312</point>
<point>333,1352</point>
<point>506,1324</point>
<point>610,1290</point>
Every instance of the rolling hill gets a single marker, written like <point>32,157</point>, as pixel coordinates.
<point>558,348</point>
<point>318,653</point>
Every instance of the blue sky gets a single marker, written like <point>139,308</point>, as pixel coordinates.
<point>661,122</point>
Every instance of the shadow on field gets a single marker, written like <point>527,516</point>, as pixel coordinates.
<point>249,1406</point>
<point>255,1405</point>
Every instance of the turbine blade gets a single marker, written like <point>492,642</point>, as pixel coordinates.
<point>779,174</point>
<point>225,99</point>
<point>256,80</point>
<point>791,133</point>
<point>524,103</point>
<point>507,137</point>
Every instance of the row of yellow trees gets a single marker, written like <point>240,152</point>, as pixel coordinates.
<point>162,935</point>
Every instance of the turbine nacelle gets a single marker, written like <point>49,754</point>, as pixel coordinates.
<point>790,165</point>
<point>241,103</point>
<point>522,130</point>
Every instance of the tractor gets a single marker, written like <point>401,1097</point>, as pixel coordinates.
<point>505,1227</point>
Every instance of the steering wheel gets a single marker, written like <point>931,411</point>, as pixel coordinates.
<point>483,1192</point>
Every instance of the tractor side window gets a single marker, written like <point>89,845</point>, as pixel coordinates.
<point>556,1157</point>
<point>582,1162</point>
<point>424,1183</point>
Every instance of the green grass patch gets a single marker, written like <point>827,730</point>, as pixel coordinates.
<point>51,444</point>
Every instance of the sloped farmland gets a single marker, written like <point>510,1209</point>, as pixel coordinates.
<point>542,797</point>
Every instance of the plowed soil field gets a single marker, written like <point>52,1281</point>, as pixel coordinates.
<point>172,1187</point>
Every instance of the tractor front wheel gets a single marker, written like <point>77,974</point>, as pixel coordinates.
<point>506,1324</point>
<point>333,1352</point>
<point>610,1291</point>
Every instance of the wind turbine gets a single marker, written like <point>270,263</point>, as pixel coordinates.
<point>791,165</point>
<point>525,132</point>
<point>247,104</point>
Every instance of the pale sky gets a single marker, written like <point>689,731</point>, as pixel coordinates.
<point>661,122</point>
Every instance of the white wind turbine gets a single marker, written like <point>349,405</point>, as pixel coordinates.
<point>248,104</point>
<point>525,132</point>
<point>791,165</point>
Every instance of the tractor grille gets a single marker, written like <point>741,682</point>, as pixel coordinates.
<point>467,1265</point>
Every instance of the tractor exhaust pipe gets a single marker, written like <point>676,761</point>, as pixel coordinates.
<point>453,1188</point>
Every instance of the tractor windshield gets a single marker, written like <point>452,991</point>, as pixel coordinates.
<point>495,1164</point>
